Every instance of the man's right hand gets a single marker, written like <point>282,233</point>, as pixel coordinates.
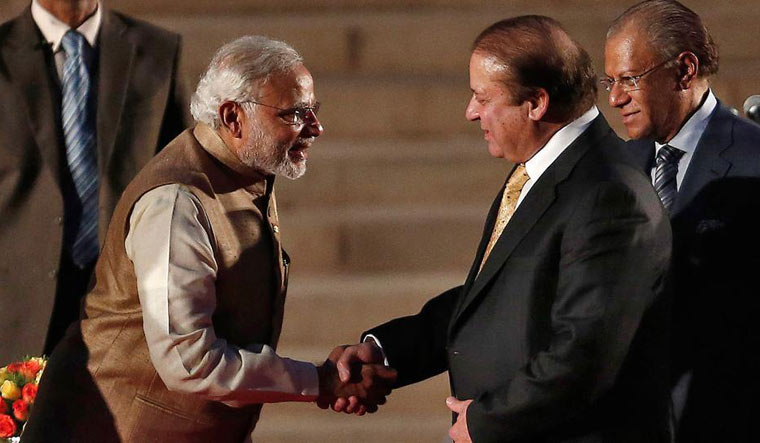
<point>354,380</point>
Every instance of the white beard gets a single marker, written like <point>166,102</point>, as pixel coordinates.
<point>263,154</point>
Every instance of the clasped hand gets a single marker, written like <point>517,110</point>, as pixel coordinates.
<point>354,379</point>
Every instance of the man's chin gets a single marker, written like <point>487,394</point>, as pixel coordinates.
<point>495,151</point>
<point>637,132</point>
<point>292,169</point>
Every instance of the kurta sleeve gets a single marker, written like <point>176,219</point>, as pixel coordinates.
<point>171,245</point>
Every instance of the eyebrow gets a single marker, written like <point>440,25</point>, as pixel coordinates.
<point>303,104</point>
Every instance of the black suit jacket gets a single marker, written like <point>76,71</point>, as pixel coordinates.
<point>716,255</point>
<point>562,336</point>
<point>141,106</point>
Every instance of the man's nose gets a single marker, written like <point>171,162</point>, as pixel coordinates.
<point>470,112</point>
<point>312,126</point>
<point>617,96</point>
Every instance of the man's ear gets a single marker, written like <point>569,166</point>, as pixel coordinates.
<point>538,104</point>
<point>688,69</point>
<point>231,117</point>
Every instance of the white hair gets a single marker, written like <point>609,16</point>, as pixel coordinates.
<point>237,71</point>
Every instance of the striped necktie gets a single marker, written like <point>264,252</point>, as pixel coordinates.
<point>665,174</point>
<point>79,136</point>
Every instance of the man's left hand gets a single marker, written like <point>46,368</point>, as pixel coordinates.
<point>459,432</point>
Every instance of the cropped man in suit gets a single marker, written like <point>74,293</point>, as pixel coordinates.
<point>705,164</point>
<point>559,332</point>
<point>88,97</point>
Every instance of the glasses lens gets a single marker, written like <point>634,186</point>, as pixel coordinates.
<point>302,114</point>
<point>629,83</point>
<point>298,116</point>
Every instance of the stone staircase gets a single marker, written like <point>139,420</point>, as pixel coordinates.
<point>391,209</point>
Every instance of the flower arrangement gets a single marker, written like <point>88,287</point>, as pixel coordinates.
<point>18,387</point>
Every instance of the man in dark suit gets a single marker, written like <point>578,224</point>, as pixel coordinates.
<point>705,164</point>
<point>53,204</point>
<point>559,332</point>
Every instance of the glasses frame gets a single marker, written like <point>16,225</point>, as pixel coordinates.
<point>630,83</point>
<point>299,113</point>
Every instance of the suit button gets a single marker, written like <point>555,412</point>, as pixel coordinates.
<point>58,220</point>
<point>53,274</point>
<point>455,353</point>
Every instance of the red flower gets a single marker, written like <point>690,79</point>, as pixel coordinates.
<point>29,392</point>
<point>3,406</point>
<point>29,369</point>
<point>7,426</point>
<point>21,410</point>
<point>15,367</point>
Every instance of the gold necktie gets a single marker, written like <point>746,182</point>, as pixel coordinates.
<point>507,208</point>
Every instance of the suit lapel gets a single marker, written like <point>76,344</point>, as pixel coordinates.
<point>539,199</point>
<point>29,59</point>
<point>114,70</point>
<point>642,153</point>
<point>708,163</point>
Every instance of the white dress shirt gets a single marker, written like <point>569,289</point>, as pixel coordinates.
<point>171,245</point>
<point>53,30</point>
<point>556,145</point>
<point>688,137</point>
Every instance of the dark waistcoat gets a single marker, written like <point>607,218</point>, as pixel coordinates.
<point>109,349</point>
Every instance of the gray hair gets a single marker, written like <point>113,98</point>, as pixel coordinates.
<point>671,28</point>
<point>236,73</point>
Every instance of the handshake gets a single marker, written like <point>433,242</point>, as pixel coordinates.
<point>354,379</point>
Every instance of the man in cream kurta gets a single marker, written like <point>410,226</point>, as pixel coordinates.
<point>179,335</point>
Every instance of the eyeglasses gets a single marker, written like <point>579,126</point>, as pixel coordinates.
<point>630,83</point>
<point>295,116</point>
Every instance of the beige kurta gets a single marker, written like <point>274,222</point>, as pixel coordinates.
<point>104,365</point>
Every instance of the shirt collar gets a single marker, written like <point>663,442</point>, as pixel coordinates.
<point>557,144</point>
<point>687,138</point>
<point>53,29</point>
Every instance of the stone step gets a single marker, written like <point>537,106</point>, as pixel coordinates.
<point>380,172</point>
<point>432,107</point>
<point>405,40</point>
<point>558,7</point>
<point>408,68</point>
<point>413,413</point>
<point>326,310</point>
<point>416,41</point>
<point>388,206</point>
<point>408,38</point>
<point>397,106</point>
<point>377,240</point>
